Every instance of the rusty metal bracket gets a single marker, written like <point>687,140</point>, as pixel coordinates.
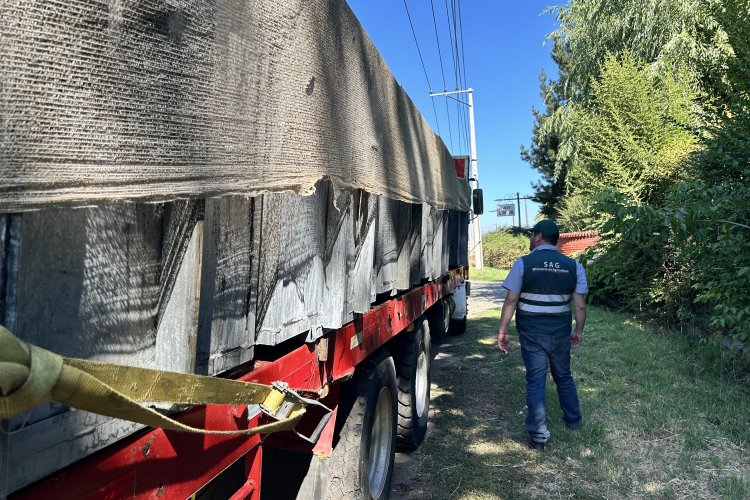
<point>285,409</point>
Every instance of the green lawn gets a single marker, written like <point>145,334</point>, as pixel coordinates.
<point>659,422</point>
<point>488,274</point>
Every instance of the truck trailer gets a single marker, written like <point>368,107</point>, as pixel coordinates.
<point>236,196</point>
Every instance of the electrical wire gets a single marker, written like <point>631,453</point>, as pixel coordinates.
<point>463,54</point>
<point>442,71</point>
<point>463,59</point>
<point>414,33</point>
<point>462,121</point>
<point>437,39</point>
<point>424,68</point>
<point>453,61</point>
<point>450,14</point>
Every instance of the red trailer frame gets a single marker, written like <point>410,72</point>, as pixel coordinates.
<point>169,464</point>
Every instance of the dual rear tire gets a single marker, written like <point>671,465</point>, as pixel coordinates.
<point>384,407</point>
<point>363,456</point>
<point>413,376</point>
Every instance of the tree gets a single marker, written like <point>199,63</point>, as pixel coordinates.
<point>636,135</point>
<point>542,153</point>
<point>665,34</point>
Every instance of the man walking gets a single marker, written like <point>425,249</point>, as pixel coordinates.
<point>540,288</point>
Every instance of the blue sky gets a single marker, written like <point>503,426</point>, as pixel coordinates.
<point>504,52</point>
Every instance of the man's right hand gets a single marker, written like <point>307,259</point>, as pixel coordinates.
<point>503,341</point>
<point>575,339</point>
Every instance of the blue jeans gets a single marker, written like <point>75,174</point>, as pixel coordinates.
<point>539,351</point>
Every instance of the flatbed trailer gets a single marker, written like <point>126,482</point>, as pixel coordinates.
<point>167,464</point>
<point>236,190</point>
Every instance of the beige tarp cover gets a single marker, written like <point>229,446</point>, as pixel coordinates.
<point>159,100</point>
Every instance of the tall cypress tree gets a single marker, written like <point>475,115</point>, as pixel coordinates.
<point>542,154</point>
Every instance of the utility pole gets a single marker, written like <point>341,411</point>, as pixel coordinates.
<point>475,231</point>
<point>526,209</point>
<point>517,198</point>
<point>518,204</point>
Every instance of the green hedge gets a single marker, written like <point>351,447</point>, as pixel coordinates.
<point>502,248</point>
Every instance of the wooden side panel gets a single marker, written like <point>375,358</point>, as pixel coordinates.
<point>226,338</point>
<point>415,244</point>
<point>291,259</point>
<point>339,235</point>
<point>177,333</point>
<point>440,243</point>
<point>391,249</point>
<point>458,230</point>
<point>427,270</point>
<point>410,240</point>
<point>88,286</point>
<point>360,287</point>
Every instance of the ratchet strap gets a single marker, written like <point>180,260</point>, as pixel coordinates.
<point>30,375</point>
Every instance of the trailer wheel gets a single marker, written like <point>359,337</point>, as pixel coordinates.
<point>438,316</point>
<point>363,456</point>
<point>459,314</point>
<point>457,327</point>
<point>413,376</point>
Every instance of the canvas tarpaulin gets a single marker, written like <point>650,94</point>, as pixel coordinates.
<point>157,100</point>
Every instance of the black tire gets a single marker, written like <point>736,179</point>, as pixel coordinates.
<point>366,417</point>
<point>457,327</point>
<point>413,377</point>
<point>438,319</point>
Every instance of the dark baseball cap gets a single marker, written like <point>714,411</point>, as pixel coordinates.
<point>547,228</point>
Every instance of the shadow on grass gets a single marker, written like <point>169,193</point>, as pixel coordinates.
<point>656,423</point>
<point>478,448</point>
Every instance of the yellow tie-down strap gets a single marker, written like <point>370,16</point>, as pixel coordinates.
<point>30,375</point>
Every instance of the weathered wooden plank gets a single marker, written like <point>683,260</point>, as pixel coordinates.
<point>224,339</point>
<point>291,279</point>
<point>177,333</point>
<point>391,257</point>
<point>439,243</point>
<point>88,287</point>
<point>415,244</point>
<point>40,448</point>
<point>458,229</point>
<point>339,228</point>
<point>428,235</point>
<point>360,287</point>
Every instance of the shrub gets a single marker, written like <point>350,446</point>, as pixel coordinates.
<point>501,248</point>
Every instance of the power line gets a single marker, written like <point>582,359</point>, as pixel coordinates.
<point>424,68</point>
<point>462,120</point>
<point>453,61</point>
<point>450,35</point>
<point>459,81</point>
<point>414,33</point>
<point>463,53</point>
<point>442,73</point>
<point>437,39</point>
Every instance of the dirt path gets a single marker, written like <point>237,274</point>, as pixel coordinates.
<point>484,296</point>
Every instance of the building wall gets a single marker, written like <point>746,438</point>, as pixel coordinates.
<point>574,243</point>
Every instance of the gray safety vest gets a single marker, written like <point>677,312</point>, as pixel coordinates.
<point>549,280</point>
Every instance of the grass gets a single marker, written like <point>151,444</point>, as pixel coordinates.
<point>658,421</point>
<point>488,274</point>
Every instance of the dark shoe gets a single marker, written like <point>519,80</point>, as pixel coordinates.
<point>535,445</point>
